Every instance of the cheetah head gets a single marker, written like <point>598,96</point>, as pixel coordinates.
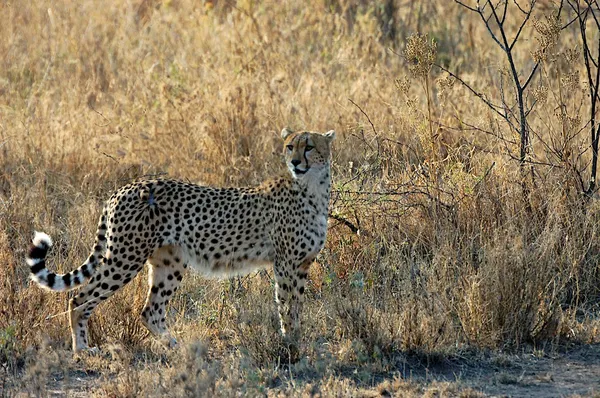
<point>306,153</point>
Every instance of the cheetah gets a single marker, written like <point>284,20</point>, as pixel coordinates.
<point>219,232</point>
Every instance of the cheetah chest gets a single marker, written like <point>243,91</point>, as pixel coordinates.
<point>309,236</point>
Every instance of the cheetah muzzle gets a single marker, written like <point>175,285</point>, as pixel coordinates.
<point>220,232</point>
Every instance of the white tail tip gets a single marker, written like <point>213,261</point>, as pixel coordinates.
<point>40,239</point>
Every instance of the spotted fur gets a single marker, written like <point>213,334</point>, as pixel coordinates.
<point>173,225</point>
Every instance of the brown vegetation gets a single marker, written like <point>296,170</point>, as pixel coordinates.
<point>467,239</point>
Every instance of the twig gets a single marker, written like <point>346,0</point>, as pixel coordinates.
<point>481,96</point>
<point>364,113</point>
<point>527,16</point>
<point>99,113</point>
<point>487,172</point>
<point>466,6</point>
<point>344,221</point>
<point>109,156</point>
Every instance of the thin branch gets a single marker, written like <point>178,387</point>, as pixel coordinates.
<point>586,49</point>
<point>492,106</point>
<point>598,26</point>
<point>364,113</point>
<point>527,16</point>
<point>520,8</point>
<point>255,23</point>
<point>488,171</point>
<point>109,156</point>
<point>344,221</point>
<point>530,76</point>
<point>528,111</point>
<point>593,13</point>
<point>466,6</point>
<point>504,12</point>
<point>471,127</point>
<point>506,48</point>
<point>569,23</point>
<point>597,75</point>
<point>99,113</point>
<point>489,28</point>
<point>535,163</point>
<point>416,191</point>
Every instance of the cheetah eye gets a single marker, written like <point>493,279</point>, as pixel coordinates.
<point>309,148</point>
<point>290,147</point>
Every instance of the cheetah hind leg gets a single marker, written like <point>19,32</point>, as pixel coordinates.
<point>165,273</point>
<point>100,288</point>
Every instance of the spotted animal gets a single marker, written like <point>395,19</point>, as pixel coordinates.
<point>172,225</point>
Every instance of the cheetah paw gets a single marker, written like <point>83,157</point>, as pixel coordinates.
<point>168,342</point>
<point>88,352</point>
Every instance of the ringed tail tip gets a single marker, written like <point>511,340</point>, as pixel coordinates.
<point>42,240</point>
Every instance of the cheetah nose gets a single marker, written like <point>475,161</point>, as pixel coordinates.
<point>295,162</point>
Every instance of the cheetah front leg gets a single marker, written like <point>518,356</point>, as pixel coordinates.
<point>289,295</point>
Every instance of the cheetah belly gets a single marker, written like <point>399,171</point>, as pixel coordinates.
<point>226,267</point>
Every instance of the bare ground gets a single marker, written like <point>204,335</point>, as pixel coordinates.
<point>531,374</point>
<point>562,373</point>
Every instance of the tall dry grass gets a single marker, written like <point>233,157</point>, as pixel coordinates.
<point>448,256</point>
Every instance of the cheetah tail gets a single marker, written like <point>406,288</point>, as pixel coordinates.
<point>36,259</point>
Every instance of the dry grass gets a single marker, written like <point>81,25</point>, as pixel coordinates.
<point>448,258</point>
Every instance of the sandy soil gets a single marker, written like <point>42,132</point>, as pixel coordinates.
<point>572,372</point>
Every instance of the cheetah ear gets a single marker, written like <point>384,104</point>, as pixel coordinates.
<point>330,135</point>
<point>286,132</point>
